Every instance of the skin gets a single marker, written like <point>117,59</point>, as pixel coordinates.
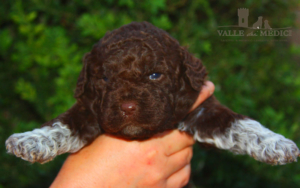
<point>156,162</point>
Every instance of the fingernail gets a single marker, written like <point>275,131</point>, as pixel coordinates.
<point>188,166</point>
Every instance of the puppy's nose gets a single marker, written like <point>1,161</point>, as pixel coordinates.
<point>128,108</point>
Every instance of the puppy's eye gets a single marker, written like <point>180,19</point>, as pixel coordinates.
<point>155,76</point>
<point>105,78</point>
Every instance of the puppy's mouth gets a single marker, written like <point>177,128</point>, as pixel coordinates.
<point>132,131</point>
<point>136,132</point>
<point>132,128</point>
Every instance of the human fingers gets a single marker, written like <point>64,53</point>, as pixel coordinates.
<point>180,178</point>
<point>175,141</point>
<point>207,90</point>
<point>178,160</point>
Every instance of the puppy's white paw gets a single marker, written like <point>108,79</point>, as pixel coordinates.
<point>31,146</point>
<point>42,145</point>
<point>262,144</point>
<point>277,150</point>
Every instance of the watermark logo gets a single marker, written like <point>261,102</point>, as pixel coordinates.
<point>260,28</point>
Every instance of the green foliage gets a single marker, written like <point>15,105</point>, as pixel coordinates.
<point>42,43</point>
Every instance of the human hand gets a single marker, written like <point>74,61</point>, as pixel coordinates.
<point>113,162</point>
<point>162,161</point>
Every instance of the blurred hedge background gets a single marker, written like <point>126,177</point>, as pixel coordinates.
<point>42,43</point>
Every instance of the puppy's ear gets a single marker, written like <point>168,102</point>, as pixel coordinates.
<point>195,71</point>
<point>83,78</point>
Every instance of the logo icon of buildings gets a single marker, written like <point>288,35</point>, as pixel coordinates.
<point>243,14</point>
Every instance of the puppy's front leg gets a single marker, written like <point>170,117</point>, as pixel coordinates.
<point>69,132</point>
<point>214,124</point>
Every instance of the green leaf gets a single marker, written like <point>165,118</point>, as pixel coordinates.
<point>26,90</point>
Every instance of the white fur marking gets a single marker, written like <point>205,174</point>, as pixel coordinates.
<point>181,126</point>
<point>250,137</point>
<point>43,144</point>
<point>200,112</point>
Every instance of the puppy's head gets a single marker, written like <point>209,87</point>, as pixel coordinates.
<point>139,81</point>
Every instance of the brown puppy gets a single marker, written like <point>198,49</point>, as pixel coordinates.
<point>138,81</point>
